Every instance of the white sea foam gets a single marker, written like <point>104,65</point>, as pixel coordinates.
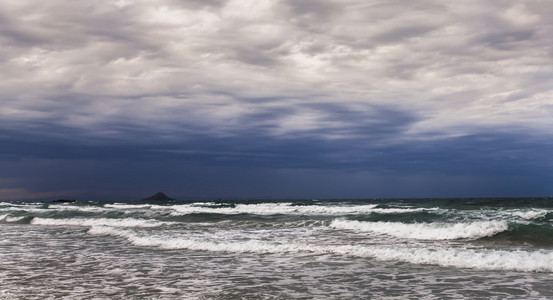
<point>515,215</point>
<point>9,219</point>
<point>402,210</point>
<point>283,208</point>
<point>270,209</point>
<point>529,214</point>
<point>484,259</point>
<point>128,222</point>
<point>78,208</point>
<point>24,208</point>
<point>20,205</point>
<point>13,219</point>
<point>127,206</point>
<point>426,231</point>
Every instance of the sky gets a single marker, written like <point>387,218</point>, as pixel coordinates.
<point>242,99</point>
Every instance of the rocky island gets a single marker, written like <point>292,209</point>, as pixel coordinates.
<point>158,197</point>
<point>64,201</point>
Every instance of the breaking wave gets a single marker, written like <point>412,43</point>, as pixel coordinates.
<point>9,219</point>
<point>78,208</point>
<point>282,208</point>
<point>482,259</point>
<point>529,214</point>
<point>128,222</point>
<point>426,231</point>
<point>127,206</point>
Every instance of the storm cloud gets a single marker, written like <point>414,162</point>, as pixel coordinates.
<point>266,98</point>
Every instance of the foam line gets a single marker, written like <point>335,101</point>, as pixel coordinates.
<point>426,231</point>
<point>128,222</point>
<point>483,259</point>
<point>285,208</point>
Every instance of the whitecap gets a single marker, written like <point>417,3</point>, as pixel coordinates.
<point>426,231</point>
<point>127,206</point>
<point>128,222</point>
<point>284,208</point>
<point>78,208</point>
<point>483,259</point>
<point>529,214</point>
<point>10,219</point>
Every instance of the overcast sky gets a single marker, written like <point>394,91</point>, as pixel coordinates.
<point>262,98</point>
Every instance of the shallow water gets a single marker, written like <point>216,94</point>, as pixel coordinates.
<point>393,249</point>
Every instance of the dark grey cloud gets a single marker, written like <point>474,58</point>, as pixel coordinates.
<point>255,166</point>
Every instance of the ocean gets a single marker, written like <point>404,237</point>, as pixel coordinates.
<point>278,249</point>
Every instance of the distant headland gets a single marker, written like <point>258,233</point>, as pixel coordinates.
<point>158,197</point>
<point>64,201</point>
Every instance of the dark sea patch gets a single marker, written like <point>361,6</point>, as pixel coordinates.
<point>538,235</point>
<point>403,217</point>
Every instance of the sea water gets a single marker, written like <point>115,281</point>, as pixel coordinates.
<point>287,249</point>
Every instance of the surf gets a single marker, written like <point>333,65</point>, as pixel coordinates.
<point>426,231</point>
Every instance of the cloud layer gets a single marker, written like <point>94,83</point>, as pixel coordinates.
<point>356,85</point>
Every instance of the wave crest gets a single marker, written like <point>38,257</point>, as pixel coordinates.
<point>128,222</point>
<point>482,259</point>
<point>9,219</point>
<point>426,231</point>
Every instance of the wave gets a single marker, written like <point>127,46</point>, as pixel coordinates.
<point>22,208</point>
<point>286,208</point>
<point>79,208</point>
<point>271,209</point>
<point>127,206</point>
<point>9,219</point>
<point>283,208</point>
<point>128,222</point>
<point>10,204</point>
<point>482,259</point>
<point>528,214</point>
<point>402,210</point>
<point>426,231</point>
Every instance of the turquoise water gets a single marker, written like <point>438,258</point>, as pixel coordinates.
<point>286,249</point>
